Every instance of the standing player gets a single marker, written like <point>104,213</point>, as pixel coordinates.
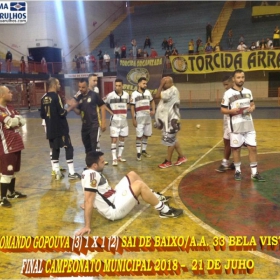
<point>54,114</point>
<point>141,104</point>
<point>227,83</point>
<point>115,204</point>
<point>11,145</point>
<point>118,101</point>
<point>168,120</point>
<point>238,103</point>
<point>88,103</point>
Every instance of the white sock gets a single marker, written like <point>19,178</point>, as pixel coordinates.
<point>71,166</point>
<point>121,147</point>
<point>114,150</point>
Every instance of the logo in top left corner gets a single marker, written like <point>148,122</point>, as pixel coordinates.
<point>18,6</point>
<point>13,12</point>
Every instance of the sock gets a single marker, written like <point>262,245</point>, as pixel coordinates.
<point>114,150</point>
<point>4,190</point>
<point>138,146</point>
<point>237,167</point>
<point>70,166</point>
<point>144,145</point>
<point>162,207</point>
<point>56,166</point>
<point>121,147</point>
<point>11,186</point>
<point>51,159</point>
<point>225,162</point>
<point>254,166</point>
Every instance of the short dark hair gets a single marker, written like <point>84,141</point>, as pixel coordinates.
<point>237,71</point>
<point>92,75</point>
<point>227,78</point>
<point>93,157</point>
<point>142,79</point>
<point>119,81</point>
<point>82,80</point>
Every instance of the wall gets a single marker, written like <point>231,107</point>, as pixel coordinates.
<point>44,27</point>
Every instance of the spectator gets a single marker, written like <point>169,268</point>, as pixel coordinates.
<point>269,43</point>
<point>145,54</point>
<point>174,52</point>
<point>123,51</point>
<point>241,39</point>
<point>198,41</point>
<point>153,53</point>
<point>22,65</point>
<point>147,42</point>
<point>209,33</point>
<point>100,60</point>
<point>164,44</point>
<point>134,48</point>
<point>106,58</point>
<point>167,60</point>
<point>208,48</point>
<point>93,62</point>
<point>230,39</point>
<point>117,51</point>
<point>263,44</point>
<point>130,53</point>
<point>191,46</point>
<point>44,65</point>
<point>78,64</point>
<point>170,43</point>
<point>201,49</point>
<point>9,58</point>
<point>276,37</point>
<point>217,47</point>
<point>253,46</point>
<point>112,40</point>
<point>242,47</point>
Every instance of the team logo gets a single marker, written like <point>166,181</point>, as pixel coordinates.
<point>89,100</point>
<point>93,183</point>
<point>179,64</point>
<point>235,142</point>
<point>124,193</point>
<point>136,73</point>
<point>10,168</point>
<point>13,12</point>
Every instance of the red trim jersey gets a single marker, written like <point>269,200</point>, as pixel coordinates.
<point>93,181</point>
<point>142,101</point>
<point>10,138</point>
<point>243,121</point>
<point>118,105</point>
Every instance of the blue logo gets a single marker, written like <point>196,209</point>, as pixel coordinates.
<point>17,6</point>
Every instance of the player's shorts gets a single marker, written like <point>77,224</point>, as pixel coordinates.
<point>125,200</point>
<point>10,163</point>
<point>144,129</point>
<point>118,131</point>
<point>168,139</point>
<point>238,139</point>
<point>60,142</point>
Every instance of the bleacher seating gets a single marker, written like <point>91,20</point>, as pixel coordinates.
<point>241,24</point>
<point>182,21</point>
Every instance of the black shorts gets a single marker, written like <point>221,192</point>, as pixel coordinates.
<point>60,142</point>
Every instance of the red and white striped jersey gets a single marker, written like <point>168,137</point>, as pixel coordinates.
<point>10,138</point>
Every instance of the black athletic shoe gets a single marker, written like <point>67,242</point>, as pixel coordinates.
<point>257,177</point>
<point>172,213</point>
<point>237,176</point>
<point>162,198</point>
<point>5,203</point>
<point>74,176</point>
<point>17,195</point>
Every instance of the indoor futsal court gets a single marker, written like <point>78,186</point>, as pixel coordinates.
<point>215,205</point>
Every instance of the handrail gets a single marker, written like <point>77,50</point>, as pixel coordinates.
<point>95,30</point>
<point>11,48</point>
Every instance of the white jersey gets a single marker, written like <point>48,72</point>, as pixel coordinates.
<point>242,122</point>
<point>118,105</point>
<point>167,114</point>
<point>94,181</point>
<point>142,101</point>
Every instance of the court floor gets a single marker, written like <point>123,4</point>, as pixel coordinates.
<point>53,207</point>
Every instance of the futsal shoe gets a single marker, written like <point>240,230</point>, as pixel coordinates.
<point>257,177</point>
<point>115,162</point>
<point>5,203</point>
<point>237,176</point>
<point>180,160</point>
<point>145,154</point>
<point>121,159</point>
<point>74,176</point>
<point>165,164</point>
<point>17,195</point>
<point>172,213</point>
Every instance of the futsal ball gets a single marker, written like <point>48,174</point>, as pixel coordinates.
<point>198,126</point>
